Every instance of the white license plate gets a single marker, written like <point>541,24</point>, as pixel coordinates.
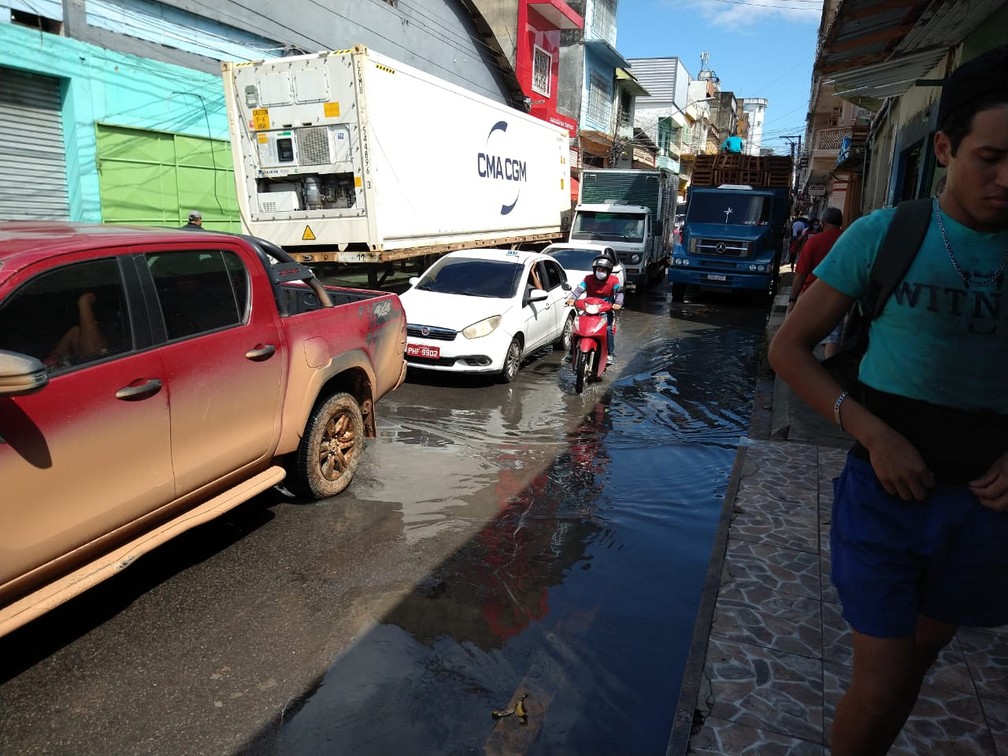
<point>716,277</point>
<point>423,352</point>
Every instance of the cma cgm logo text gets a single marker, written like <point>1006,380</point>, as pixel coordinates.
<point>494,163</point>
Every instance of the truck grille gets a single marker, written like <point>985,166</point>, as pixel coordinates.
<point>438,334</point>
<point>720,248</point>
<point>313,146</point>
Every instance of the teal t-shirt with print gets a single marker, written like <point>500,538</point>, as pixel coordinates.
<point>937,340</point>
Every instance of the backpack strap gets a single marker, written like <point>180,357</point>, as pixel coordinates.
<point>899,247</point>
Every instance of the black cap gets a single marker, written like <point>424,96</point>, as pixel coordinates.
<point>977,79</point>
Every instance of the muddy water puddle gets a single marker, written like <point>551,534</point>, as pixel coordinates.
<point>584,524</point>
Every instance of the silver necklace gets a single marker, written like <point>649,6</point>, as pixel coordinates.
<point>982,279</point>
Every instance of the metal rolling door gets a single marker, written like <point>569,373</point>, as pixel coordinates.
<point>32,151</point>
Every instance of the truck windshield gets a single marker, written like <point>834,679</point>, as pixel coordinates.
<point>731,209</point>
<point>607,226</point>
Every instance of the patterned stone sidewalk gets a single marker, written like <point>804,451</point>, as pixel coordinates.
<point>777,656</point>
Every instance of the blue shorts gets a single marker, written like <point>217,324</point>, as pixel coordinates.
<point>945,558</point>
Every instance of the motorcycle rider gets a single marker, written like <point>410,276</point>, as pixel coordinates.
<point>602,284</point>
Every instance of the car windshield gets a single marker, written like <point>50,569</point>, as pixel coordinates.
<point>607,226</point>
<point>474,278</point>
<point>730,209</point>
<point>575,259</point>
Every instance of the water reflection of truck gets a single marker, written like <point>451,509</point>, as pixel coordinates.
<point>351,157</point>
<point>736,215</point>
<point>631,211</point>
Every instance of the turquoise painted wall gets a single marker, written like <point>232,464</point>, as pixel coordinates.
<point>100,86</point>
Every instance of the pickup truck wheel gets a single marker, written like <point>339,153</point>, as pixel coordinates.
<point>512,361</point>
<point>330,449</point>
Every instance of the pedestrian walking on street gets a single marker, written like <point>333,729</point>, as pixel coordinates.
<point>798,226</point>
<point>813,253</point>
<point>919,534</point>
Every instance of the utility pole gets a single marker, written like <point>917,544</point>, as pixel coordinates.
<point>795,157</point>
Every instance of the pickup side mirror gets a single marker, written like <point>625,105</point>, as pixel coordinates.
<point>21,374</point>
<point>538,295</point>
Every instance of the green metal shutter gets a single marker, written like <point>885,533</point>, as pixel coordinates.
<point>32,152</point>
<point>154,178</point>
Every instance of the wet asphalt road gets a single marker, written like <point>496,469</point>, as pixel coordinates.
<point>498,540</point>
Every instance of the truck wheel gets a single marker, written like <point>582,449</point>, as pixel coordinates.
<point>678,292</point>
<point>330,449</point>
<point>564,342</point>
<point>512,361</point>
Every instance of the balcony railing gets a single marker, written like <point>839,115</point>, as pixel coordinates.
<point>830,140</point>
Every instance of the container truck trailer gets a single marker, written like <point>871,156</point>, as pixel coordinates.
<point>737,209</point>
<point>351,157</point>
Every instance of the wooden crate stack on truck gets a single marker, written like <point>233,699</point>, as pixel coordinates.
<point>632,211</point>
<point>736,216</point>
<point>351,157</point>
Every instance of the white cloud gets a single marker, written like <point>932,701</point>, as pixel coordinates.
<point>737,15</point>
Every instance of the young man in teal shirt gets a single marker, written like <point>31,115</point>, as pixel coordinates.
<point>919,536</point>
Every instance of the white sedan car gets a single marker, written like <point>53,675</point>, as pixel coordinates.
<point>576,258</point>
<point>481,310</point>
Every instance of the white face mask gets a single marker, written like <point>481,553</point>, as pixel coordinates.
<point>601,275</point>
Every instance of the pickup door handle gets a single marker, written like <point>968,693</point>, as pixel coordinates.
<point>139,391</point>
<point>260,352</point>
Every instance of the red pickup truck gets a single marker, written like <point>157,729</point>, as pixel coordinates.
<point>152,379</point>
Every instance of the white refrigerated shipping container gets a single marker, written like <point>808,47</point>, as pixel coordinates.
<point>349,156</point>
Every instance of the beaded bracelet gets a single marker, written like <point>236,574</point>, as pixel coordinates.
<point>836,408</point>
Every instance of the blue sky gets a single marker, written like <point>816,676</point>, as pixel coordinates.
<point>757,48</point>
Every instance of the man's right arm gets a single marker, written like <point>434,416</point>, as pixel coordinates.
<point>896,462</point>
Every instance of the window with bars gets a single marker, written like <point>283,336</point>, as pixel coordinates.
<point>664,135</point>
<point>599,101</point>
<point>542,65</point>
<point>604,21</point>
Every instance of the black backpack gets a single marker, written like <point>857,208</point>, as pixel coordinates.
<point>899,247</point>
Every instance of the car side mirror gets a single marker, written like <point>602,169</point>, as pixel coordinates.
<point>538,295</point>
<point>21,374</point>
<point>414,280</point>
<point>566,286</point>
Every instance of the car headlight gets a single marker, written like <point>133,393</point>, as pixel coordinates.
<point>634,259</point>
<point>482,328</point>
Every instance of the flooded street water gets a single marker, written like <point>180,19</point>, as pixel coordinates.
<point>586,524</point>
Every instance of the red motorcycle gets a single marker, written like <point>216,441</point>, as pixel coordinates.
<point>589,346</point>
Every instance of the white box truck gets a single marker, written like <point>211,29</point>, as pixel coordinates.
<point>632,211</point>
<point>351,157</point>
